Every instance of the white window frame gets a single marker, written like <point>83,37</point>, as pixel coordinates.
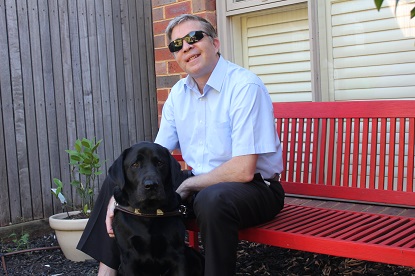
<point>232,5</point>
<point>228,36</point>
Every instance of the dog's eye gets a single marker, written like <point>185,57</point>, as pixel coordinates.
<point>159,163</point>
<point>136,165</point>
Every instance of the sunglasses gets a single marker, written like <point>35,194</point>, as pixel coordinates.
<point>190,38</point>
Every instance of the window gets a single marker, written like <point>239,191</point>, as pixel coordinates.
<point>275,46</point>
<point>370,55</point>
<point>322,50</point>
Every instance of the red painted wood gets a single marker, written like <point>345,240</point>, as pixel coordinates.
<point>382,153</point>
<point>401,154</point>
<point>355,155</point>
<point>350,193</point>
<point>364,157</point>
<point>299,161</point>
<point>291,163</point>
<point>349,109</point>
<point>315,150</point>
<point>346,151</point>
<point>391,241</point>
<point>307,152</point>
<point>374,153</point>
<point>391,164</point>
<point>411,149</point>
<point>329,180</point>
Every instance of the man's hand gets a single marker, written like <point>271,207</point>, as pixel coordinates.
<point>183,191</point>
<point>110,216</point>
<point>237,169</point>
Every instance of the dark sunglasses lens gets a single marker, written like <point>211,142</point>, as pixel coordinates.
<point>193,37</point>
<point>190,38</point>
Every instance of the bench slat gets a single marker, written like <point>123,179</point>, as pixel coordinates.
<point>356,245</point>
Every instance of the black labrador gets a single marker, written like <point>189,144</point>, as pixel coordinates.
<point>148,224</point>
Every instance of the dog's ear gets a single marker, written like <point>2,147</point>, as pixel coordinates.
<point>120,196</point>
<point>175,172</point>
<point>116,175</point>
<point>116,171</point>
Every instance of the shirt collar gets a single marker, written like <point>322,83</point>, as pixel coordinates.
<point>215,80</point>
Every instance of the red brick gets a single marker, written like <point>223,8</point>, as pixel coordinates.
<point>163,54</point>
<point>173,68</point>
<point>158,14</point>
<point>209,16</point>
<point>160,27</point>
<point>162,94</point>
<point>159,41</point>
<point>157,3</point>
<point>161,68</point>
<point>159,107</point>
<point>211,5</point>
<point>166,81</point>
<point>178,9</point>
<point>203,5</point>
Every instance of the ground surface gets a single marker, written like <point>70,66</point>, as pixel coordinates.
<point>253,259</point>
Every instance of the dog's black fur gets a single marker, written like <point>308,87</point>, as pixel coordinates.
<point>147,176</point>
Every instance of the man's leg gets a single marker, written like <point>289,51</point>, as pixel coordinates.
<point>104,270</point>
<point>222,209</point>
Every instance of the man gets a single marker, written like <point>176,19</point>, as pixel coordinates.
<point>221,118</point>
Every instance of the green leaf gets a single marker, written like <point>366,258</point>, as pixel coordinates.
<point>78,145</point>
<point>58,183</point>
<point>85,210</point>
<point>413,13</point>
<point>86,143</point>
<point>96,145</point>
<point>378,4</point>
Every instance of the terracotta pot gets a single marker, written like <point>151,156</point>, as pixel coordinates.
<point>68,232</point>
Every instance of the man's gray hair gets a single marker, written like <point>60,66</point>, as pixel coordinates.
<point>206,26</point>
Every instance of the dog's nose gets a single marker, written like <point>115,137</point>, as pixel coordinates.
<point>150,184</point>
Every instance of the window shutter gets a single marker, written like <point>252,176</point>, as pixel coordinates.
<point>276,47</point>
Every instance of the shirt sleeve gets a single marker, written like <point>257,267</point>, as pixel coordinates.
<point>167,134</point>
<point>252,121</point>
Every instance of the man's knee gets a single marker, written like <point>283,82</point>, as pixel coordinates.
<point>212,203</point>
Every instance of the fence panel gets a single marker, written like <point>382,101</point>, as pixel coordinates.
<point>69,69</point>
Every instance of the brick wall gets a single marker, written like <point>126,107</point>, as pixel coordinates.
<point>167,70</point>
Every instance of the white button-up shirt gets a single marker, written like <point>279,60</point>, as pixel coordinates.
<point>232,117</point>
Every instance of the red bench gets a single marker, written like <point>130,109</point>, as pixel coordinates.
<point>349,180</point>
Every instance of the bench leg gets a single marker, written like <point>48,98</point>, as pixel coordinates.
<point>193,240</point>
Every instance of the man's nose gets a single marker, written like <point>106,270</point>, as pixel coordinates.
<point>186,46</point>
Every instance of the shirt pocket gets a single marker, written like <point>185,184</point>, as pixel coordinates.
<point>219,139</point>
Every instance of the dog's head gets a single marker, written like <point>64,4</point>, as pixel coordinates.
<point>146,177</point>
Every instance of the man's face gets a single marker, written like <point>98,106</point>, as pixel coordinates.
<point>199,59</point>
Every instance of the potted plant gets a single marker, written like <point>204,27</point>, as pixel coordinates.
<point>85,167</point>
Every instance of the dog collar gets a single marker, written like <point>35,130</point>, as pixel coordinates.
<point>159,213</point>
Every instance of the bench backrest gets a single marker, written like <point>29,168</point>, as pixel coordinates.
<point>359,150</point>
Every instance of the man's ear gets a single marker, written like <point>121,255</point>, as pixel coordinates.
<point>216,43</point>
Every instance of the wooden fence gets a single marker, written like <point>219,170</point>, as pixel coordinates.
<point>69,69</point>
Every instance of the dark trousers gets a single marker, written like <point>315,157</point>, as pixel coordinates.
<point>221,210</point>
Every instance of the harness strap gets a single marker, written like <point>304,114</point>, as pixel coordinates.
<point>159,213</point>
